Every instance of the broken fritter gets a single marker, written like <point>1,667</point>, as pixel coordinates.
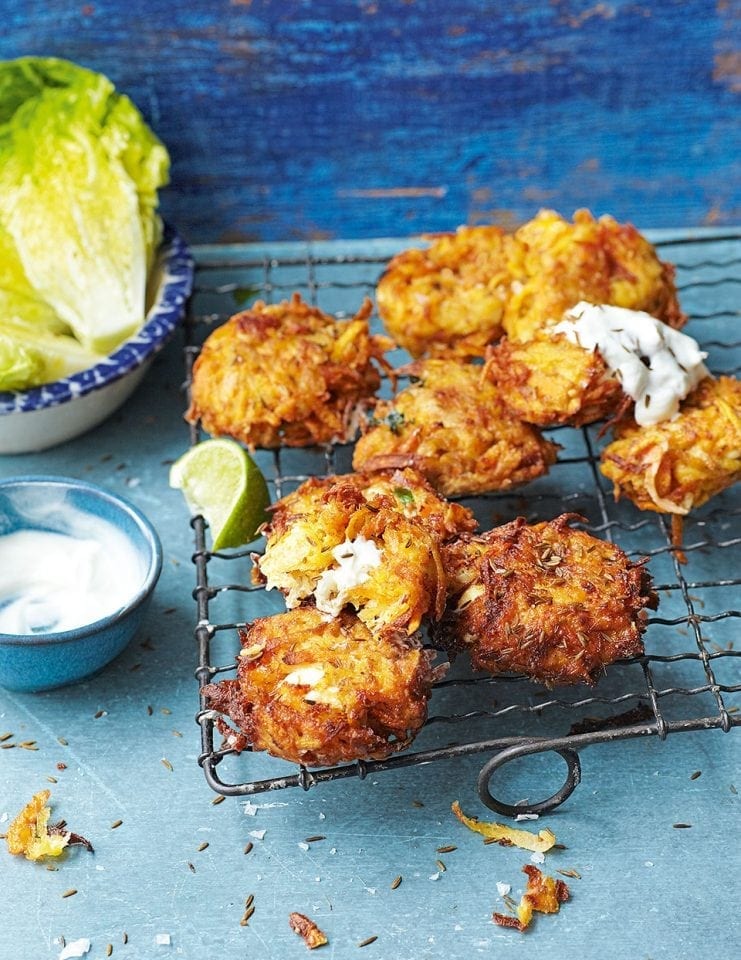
<point>549,381</point>
<point>547,601</point>
<point>451,425</point>
<point>286,374</point>
<point>448,298</point>
<point>321,692</point>
<point>370,541</point>
<point>677,465</point>
<point>555,264</point>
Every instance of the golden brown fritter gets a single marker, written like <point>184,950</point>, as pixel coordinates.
<point>680,464</point>
<point>401,516</point>
<point>554,264</point>
<point>322,692</point>
<point>448,298</point>
<point>286,374</point>
<point>549,381</point>
<point>451,425</point>
<point>553,603</point>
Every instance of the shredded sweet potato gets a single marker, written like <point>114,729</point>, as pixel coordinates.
<point>542,895</point>
<point>507,836</point>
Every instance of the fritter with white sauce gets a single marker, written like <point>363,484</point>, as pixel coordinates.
<point>286,374</point>
<point>323,692</point>
<point>451,425</point>
<point>448,298</point>
<point>677,465</point>
<point>549,381</point>
<point>547,601</point>
<point>370,541</point>
<point>467,288</point>
<point>555,264</point>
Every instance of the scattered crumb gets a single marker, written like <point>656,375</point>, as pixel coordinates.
<point>309,932</point>
<point>543,894</point>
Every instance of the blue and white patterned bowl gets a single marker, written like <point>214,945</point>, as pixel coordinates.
<point>43,661</point>
<point>45,416</point>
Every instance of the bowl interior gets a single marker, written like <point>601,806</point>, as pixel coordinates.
<point>79,509</point>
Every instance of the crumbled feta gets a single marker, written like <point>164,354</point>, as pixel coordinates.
<point>355,560</point>
<point>656,365</point>
<point>305,676</point>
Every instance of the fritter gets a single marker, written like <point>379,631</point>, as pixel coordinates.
<point>549,381</point>
<point>369,541</point>
<point>322,692</point>
<point>448,298</point>
<point>554,264</point>
<point>286,374</point>
<point>680,464</point>
<point>547,601</point>
<point>451,425</point>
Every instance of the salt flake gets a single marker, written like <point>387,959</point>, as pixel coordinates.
<point>527,816</point>
<point>503,889</point>
<point>75,948</point>
<point>435,876</point>
<point>303,846</point>
<point>258,834</point>
<point>537,857</point>
<point>250,810</point>
<point>162,939</point>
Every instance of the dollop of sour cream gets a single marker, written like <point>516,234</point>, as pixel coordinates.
<point>355,560</point>
<point>656,365</point>
<point>51,582</point>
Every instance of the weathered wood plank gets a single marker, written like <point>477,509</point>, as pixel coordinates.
<point>291,120</point>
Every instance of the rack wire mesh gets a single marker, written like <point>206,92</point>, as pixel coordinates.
<point>688,679</point>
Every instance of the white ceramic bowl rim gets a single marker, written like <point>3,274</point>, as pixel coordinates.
<point>154,567</point>
<point>175,287</point>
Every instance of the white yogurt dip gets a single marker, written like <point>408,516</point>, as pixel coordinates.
<point>51,582</point>
<point>656,365</point>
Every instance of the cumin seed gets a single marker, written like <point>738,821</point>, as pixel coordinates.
<point>681,826</point>
<point>166,711</point>
<point>244,922</point>
<point>176,733</point>
<point>51,867</point>
<point>52,780</point>
<point>191,867</point>
<point>166,763</point>
<point>69,893</point>
<point>440,866</point>
<point>150,709</point>
<point>99,714</point>
<point>217,800</point>
<point>109,949</point>
<point>417,803</point>
<point>696,774</point>
<point>248,848</point>
<point>116,824</point>
<point>315,838</point>
<point>202,846</point>
<point>125,937</point>
<point>368,941</point>
<point>5,736</point>
<point>570,873</point>
<point>249,901</point>
<point>7,746</point>
<point>446,849</point>
<point>28,746</point>
<point>396,882</point>
<point>65,743</point>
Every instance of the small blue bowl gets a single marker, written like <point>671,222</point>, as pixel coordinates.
<point>43,661</point>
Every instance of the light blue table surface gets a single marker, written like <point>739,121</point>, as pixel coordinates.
<point>646,889</point>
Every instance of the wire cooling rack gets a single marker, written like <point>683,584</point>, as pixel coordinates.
<point>688,678</point>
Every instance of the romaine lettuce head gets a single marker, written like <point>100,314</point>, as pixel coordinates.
<point>31,355</point>
<point>79,173</point>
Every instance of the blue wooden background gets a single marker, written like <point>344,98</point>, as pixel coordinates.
<point>293,119</point>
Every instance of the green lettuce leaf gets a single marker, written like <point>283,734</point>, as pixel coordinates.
<point>31,355</point>
<point>79,174</point>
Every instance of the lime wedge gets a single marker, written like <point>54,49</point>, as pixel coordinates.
<point>222,482</point>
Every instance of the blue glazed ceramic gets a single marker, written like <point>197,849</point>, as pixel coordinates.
<point>43,661</point>
<point>55,412</point>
